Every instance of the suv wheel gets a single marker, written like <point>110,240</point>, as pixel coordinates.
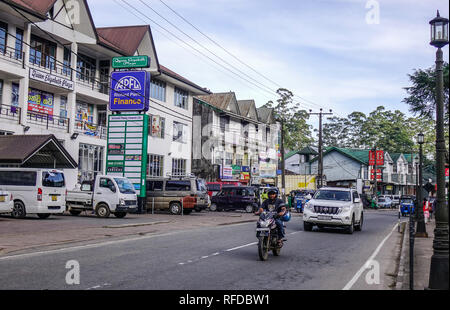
<point>351,228</point>
<point>213,207</point>
<point>175,208</point>
<point>249,209</point>
<point>360,225</point>
<point>307,226</point>
<point>19,211</point>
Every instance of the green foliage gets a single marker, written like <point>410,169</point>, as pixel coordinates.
<point>297,133</point>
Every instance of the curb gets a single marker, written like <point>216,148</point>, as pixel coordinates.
<point>401,276</point>
<point>136,225</point>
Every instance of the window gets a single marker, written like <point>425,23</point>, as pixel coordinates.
<point>66,61</point>
<point>158,90</point>
<point>90,162</point>
<point>106,183</point>
<point>104,76</point>
<point>155,165</point>
<point>178,185</point>
<point>224,122</point>
<point>53,179</point>
<point>179,132</point>
<point>228,158</point>
<point>15,95</point>
<point>157,126</point>
<point>19,43</point>
<point>3,36</point>
<point>181,98</point>
<point>18,178</point>
<point>1,94</point>
<point>178,166</point>
<point>63,107</point>
<point>86,67</point>
<point>6,133</point>
<point>355,195</point>
<point>43,53</point>
<point>154,185</point>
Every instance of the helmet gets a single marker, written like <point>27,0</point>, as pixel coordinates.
<point>286,217</point>
<point>272,191</point>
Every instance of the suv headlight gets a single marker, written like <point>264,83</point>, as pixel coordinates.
<point>309,206</point>
<point>122,201</point>
<point>345,209</point>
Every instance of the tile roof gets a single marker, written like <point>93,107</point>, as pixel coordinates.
<point>125,39</point>
<point>40,7</point>
<point>245,106</point>
<point>264,114</point>
<point>219,100</point>
<point>175,75</point>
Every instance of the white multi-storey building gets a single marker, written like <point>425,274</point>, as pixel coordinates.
<point>55,71</point>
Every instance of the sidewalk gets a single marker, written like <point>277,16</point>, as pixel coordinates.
<point>423,250</point>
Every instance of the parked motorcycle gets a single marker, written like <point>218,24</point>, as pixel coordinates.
<point>267,234</point>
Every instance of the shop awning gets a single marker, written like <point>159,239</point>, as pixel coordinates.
<point>34,151</point>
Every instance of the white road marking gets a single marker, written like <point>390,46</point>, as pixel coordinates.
<point>242,246</point>
<point>367,263</point>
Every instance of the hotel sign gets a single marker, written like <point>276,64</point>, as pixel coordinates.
<point>131,62</point>
<point>51,79</point>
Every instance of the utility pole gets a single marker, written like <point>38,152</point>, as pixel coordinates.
<point>320,164</point>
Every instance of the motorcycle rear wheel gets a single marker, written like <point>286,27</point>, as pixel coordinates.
<point>263,248</point>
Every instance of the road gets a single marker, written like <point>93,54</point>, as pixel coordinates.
<point>214,258</point>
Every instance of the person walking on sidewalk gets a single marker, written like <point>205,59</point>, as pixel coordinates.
<point>432,207</point>
<point>426,210</point>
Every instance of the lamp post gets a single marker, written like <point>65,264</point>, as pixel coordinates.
<point>421,229</point>
<point>439,276</point>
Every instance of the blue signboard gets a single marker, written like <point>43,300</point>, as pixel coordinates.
<point>130,91</point>
<point>245,169</point>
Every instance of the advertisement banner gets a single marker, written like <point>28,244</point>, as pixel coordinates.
<point>267,170</point>
<point>379,157</point>
<point>227,173</point>
<point>130,91</point>
<point>156,126</point>
<point>40,102</point>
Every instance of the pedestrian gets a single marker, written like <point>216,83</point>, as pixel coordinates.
<point>426,210</point>
<point>432,207</point>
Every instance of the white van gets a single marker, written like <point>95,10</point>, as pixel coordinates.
<point>6,202</point>
<point>35,191</point>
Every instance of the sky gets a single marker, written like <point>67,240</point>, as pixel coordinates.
<point>344,55</point>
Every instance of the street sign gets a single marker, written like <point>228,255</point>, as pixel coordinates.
<point>130,91</point>
<point>126,154</point>
<point>379,158</point>
<point>131,62</point>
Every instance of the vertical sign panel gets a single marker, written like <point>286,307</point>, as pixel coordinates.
<point>127,148</point>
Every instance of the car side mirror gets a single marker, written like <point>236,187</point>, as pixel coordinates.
<point>357,200</point>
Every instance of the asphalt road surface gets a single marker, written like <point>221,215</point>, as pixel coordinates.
<point>212,258</point>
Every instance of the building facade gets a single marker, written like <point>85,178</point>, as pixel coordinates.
<point>55,76</point>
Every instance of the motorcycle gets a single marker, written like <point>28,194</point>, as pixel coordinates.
<point>267,234</point>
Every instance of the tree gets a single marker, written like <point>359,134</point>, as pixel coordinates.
<point>297,133</point>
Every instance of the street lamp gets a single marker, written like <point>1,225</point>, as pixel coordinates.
<point>439,276</point>
<point>421,229</point>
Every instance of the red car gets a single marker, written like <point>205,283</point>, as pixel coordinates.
<point>215,187</point>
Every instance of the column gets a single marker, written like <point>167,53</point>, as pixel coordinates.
<point>24,83</point>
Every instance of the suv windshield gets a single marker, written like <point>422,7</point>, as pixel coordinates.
<point>332,195</point>
<point>53,179</point>
<point>125,186</point>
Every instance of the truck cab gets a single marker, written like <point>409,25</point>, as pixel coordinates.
<point>105,195</point>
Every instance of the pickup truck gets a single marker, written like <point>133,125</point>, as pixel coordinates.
<point>105,195</point>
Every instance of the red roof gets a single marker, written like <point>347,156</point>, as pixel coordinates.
<point>40,7</point>
<point>125,39</point>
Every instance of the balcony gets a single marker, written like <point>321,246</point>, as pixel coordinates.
<point>91,83</point>
<point>48,121</point>
<point>12,55</point>
<point>48,64</point>
<point>10,112</point>
<point>99,131</point>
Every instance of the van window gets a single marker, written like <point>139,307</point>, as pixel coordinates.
<point>53,179</point>
<point>355,195</point>
<point>154,185</point>
<point>178,185</point>
<point>18,178</point>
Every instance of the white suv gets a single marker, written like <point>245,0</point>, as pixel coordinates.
<point>334,206</point>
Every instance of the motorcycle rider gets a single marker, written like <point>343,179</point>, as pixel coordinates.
<point>273,203</point>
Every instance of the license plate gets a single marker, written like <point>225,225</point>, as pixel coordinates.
<point>262,229</point>
<point>2,198</point>
<point>324,217</point>
<point>54,198</point>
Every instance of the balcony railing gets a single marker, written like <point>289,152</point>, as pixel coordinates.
<point>49,64</point>
<point>13,55</point>
<point>10,112</point>
<point>48,121</point>
<point>92,83</point>
<point>99,131</point>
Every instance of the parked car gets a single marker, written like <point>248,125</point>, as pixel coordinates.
<point>6,202</point>
<point>104,195</point>
<point>334,206</point>
<point>396,200</point>
<point>215,187</point>
<point>177,194</point>
<point>235,198</point>
<point>384,202</point>
<point>35,191</point>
